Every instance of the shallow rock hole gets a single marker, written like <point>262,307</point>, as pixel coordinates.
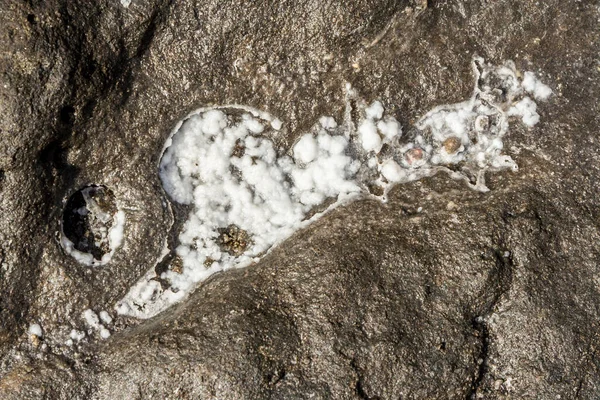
<point>67,115</point>
<point>91,225</point>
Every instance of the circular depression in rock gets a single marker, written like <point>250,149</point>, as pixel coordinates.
<point>92,225</point>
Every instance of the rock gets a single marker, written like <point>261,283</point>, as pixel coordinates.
<point>233,239</point>
<point>452,144</point>
<point>495,297</point>
<point>414,157</point>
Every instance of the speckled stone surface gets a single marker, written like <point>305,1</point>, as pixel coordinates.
<point>440,293</point>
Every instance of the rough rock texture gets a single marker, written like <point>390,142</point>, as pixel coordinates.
<point>491,295</point>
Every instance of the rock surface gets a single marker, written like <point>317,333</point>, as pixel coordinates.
<point>440,293</point>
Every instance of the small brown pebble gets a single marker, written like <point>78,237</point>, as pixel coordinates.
<point>177,265</point>
<point>414,155</point>
<point>233,240</point>
<point>452,144</point>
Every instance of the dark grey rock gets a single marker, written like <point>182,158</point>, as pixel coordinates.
<point>492,295</point>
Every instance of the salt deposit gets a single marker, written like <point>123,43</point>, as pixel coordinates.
<point>246,195</point>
